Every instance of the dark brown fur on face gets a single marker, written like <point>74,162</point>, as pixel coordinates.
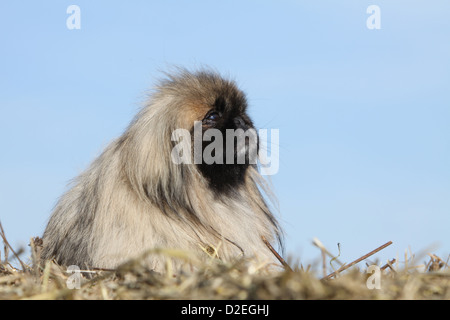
<point>133,197</point>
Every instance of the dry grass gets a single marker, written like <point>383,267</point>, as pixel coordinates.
<point>218,280</point>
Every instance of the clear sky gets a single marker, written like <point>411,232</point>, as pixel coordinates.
<point>363,114</point>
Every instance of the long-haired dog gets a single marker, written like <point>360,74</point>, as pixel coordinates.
<point>135,197</point>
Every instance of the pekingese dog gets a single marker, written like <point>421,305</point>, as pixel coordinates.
<point>138,195</point>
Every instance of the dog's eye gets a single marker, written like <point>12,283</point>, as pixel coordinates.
<point>212,116</point>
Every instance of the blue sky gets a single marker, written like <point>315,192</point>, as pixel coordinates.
<point>363,114</point>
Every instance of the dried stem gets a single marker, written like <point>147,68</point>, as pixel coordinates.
<point>2,234</point>
<point>282,261</point>
<point>389,265</point>
<point>346,266</point>
<point>324,262</point>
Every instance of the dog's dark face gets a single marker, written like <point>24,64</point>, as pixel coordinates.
<point>224,141</point>
<point>238,147</point>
